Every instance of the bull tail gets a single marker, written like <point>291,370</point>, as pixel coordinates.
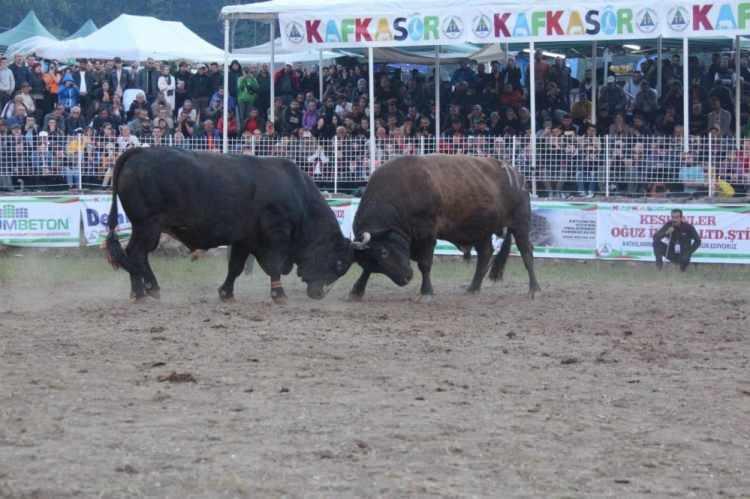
<point>115,254</point>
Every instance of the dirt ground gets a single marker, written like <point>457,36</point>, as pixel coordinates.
<point>614,382</point>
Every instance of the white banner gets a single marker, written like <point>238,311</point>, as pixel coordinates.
<point>50,221</point>
<point>95,217</point>
<point>626,231</point>
<point>488,24</point>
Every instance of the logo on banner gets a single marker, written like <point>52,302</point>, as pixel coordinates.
<point>294,32</point>
<point>481,26</point>
<point>453,27</point>
<point>10,211</point>
<point>678,18</point>
<point>646,20</point>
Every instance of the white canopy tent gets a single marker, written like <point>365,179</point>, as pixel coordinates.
<point>30,45</point>
<point>371,24</point>
<point>136,38</point>
<point>261,53</point>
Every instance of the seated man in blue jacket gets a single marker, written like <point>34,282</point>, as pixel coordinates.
<point>683,241</point>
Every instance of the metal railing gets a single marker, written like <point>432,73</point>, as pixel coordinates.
<point>563,165</point>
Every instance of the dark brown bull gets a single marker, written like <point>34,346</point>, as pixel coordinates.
<point>413,201</point>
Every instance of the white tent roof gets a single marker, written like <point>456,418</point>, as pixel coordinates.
<point>29,45</point>
<point>271,8</point>
<point>262,54</point>
<point>136,38</point>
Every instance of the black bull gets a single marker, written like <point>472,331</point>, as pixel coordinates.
<point>266,207</point>
<point>413,201</point>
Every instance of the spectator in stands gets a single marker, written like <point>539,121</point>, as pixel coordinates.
<point>247,90</point>
<point>126,140</point>
<point>216,105</point>
<point>7,82</point>
<point>86,84</point>
<point>209,137</point>
<point>120,79</point>
<point>216,77</point>
<point>76,120</point>
<point>68,96</point>
<point>139,104</point>
<point>9,110</point>
<point>683,241</point>
<point>38,91</point>
<point>232,129</point>
<point>200,90</point>
<point>235,73</point>
<point>167,85</point>
<point>52,79</point>
<point>21,72</point>
<point>720,117</point>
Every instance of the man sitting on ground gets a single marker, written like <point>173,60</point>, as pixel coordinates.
<point>683,241</point>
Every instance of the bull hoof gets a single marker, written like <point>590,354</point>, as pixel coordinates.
<point>473,291</point>
<point>353,297</point>
<point>154,293</point>
<point>425,298</point>
<point>533,291</point>
<point>137,298</point>
<point>280,300</point>
<point>495,276</point>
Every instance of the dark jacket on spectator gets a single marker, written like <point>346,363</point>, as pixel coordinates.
<point>126,80</point>
<point>200,87</point>
<point>148,81</point>
<point>22,74</point>
<point>90,81</point>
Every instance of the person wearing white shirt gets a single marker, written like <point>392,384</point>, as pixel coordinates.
<point>126,140</point>
<point>167,84</point>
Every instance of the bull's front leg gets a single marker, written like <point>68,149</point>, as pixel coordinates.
<point>358,290</point>
<point>484,254</point>
<point>237,257</point>
<point>423,253</point>
<point>274,263</point>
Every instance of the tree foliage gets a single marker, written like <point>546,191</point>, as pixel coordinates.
<point>63,17</point>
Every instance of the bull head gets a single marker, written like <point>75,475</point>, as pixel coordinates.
<point>362,245</point>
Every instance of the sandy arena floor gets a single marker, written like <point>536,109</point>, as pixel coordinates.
<point>615,382</point>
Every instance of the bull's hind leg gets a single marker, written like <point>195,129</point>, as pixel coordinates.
<point>498,263</point>
<point>237,257</point>
<point>145,238</point>
<point>151,241</point>
<point>523,242</point>
<point>358,290</point>
<point>484,254</point>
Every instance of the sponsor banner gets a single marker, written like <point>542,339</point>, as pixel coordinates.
<point>344,209</point>
<point>499,23</point>
<point>95,217</point>
<point>558,230</point>
<point>50,221</point>
<point>626,231</point>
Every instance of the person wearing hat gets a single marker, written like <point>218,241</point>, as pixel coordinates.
<point>68,96</point>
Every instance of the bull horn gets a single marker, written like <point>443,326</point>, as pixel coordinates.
<point>361,245</point>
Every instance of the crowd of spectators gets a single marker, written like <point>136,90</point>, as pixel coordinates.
<point>54,117</point>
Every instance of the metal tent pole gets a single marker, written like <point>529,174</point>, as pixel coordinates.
<point>437,98</point>
<point>685,96</point>
<point>737,91</point>
<point>659,48</point>
<point>532,97</point>
<point>371,74</point>
<point>320,75</point>
<point>594,91</point>
<point>225,111</point>
<point>272,112</point>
